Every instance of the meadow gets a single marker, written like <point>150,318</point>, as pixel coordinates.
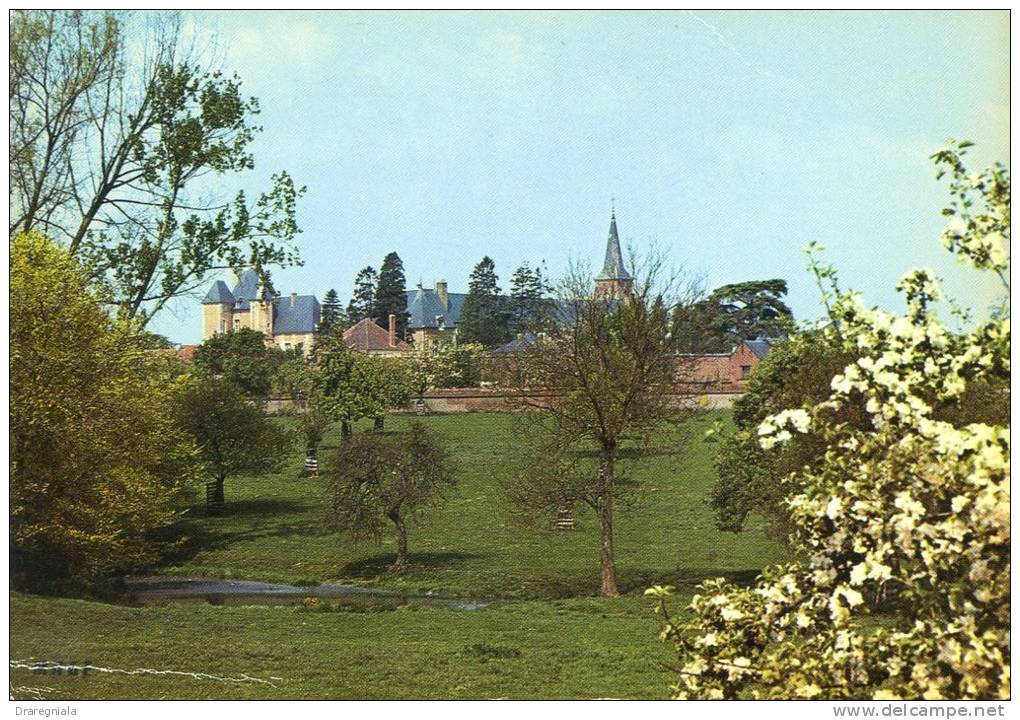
<point>545,636</point>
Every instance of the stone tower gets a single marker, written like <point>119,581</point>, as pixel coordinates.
<point>614,280</point>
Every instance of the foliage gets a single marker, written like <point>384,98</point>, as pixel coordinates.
<point>530,307</point>
<point>114,148</point>
<point>95,461</point>
<point>612,366</point>
<point>332,314</point>
<point>240,356</point>
<point>363,299</point>
<point>234,436</point>
<point>483,318</point>
<point>732,314</point>
<point>908,517</point>
<point>294,377</point>
<point>441,364</point>
<point>796,373</point>
<point>375,477</point>
<point>391,295</point>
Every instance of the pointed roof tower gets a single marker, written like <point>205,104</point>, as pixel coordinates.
<point>613,267</point>
<point>219,294</point>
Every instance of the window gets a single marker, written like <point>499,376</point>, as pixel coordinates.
<point>745,370</point>
<point>237,324</point>
<point>223,326</point>
<point>286,346</point>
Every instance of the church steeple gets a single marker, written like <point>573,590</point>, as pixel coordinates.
<point>614,279</point>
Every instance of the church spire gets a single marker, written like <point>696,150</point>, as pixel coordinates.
<point>613,267</point>
<point>614,280</point>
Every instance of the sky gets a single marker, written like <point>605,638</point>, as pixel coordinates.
<point>728,139</point>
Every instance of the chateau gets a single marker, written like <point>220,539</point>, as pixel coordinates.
<point>290,321</point>
<point>287,322</point>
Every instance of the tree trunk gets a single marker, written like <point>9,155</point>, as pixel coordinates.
<point>345,430</point>
<point>214,500</point>
<point>606,471</point>
<point>380,423</point>
<point>400,566</point>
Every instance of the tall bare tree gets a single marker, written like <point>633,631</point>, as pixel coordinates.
<point>606,371</point>
<point>120,136</point>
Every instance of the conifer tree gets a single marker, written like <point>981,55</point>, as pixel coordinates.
<point>332,314</point>
<point>484,317</point>
<point>529,300</point>
<point>391,294</point>
<point>363,298</point>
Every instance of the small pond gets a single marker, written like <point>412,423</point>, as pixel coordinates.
<point>156,590</point>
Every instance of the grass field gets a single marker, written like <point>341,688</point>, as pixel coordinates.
<point>549,638</point>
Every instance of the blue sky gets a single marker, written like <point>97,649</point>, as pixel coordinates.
<point>730,139</point>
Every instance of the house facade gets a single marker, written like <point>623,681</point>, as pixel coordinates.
<point>286,321</point>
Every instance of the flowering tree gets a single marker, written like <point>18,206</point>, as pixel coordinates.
<point>907,518</point>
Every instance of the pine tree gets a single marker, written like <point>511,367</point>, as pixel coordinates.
<point>363,298</point>
<point>391,294</point>
<point>484,317</point>
<point>530,306</point>
<point>332,313</point>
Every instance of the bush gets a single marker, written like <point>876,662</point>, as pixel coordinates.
<point>96,460</point>
<point>907,516</point>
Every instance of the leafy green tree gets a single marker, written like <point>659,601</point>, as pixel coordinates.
<point>612,367</point>
<point>239,356</point>
<point>530,307</point>
<point>293,378</point>
<point>440,364</point>
<point>96,461</point>
<point>363,299</point>
<point>332,314</point>
<point>732,314</point>
<point>383,384</point>
<point>233,434</point>
<point>797,373</point>
<point>483,318</point>
<point>391,295</point>
<point>335,384</point>
<point>377,478</point>
<point>112,149</point>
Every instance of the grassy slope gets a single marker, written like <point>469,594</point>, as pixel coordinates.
<point>549,648</point>
<point>470,546</point>
<point>579,648</point>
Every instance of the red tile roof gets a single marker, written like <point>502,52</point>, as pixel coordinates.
<point>366,336</point>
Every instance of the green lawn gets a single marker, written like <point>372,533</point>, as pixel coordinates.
<point>546,640</point>
<point>471,545</point>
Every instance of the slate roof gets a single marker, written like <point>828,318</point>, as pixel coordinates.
<point>367,336</point>
<point>302,317</point>
<point>218,294</point>
<point>516,344</point>
<point>246,290</point>
<point>423,305</point>
<point>759,347</point>
<point>613,268</point>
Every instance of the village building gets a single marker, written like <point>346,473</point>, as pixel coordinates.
<point>433,312</point>
<point>367,337</point>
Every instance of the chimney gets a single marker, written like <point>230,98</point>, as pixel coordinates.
<point>441,293</point>
<point>393,330</point>
<point>293,299</point>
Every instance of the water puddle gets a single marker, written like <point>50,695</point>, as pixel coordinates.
<point>155,590</point>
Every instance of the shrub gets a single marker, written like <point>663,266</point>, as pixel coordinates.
<point>96,460</point>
